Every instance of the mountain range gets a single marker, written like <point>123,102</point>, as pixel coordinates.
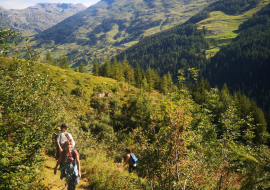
<point>108,27</point>
<point>37,18</point>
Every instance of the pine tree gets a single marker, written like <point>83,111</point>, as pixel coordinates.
<point>181,78</point>
<point>81,68</point>
<point>157,80</point>
<point>150,81</point>
<point>120,73</point>
<point>260,122</point>
<point>164,84</point>
<point>115,71</point>
<point>107,69</point>
<point>169,82</point>
<point>128,74</point>
<point>76,69</point>
<point>96,68</point>
<point>138,76</point>
<point>49,58</point>
<point>63,62</point>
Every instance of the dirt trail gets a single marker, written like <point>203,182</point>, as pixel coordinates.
<point>54,182</point>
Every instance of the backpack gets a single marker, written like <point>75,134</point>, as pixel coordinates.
<point>134,158</point>
<point>70,163</point>
<point>55,139</point>
<point>70,160</point>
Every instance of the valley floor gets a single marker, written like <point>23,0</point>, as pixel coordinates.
<point>54,182</point>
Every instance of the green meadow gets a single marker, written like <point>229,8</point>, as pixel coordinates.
<point>223,28</point>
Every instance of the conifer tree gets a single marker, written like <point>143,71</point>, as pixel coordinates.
<point>181,78</point>
<point>115,71</point>
<point>107,68</point>
<point>49,58</point>
<point>120,72</point>
<point>164,84</point>
<point>138,76</point>
<point>150,81</point>
<point>81,68</point>
<point>63,62</point>
<point>169,82</point>
<point>96,68</point>
<point>260,122</point>
<point>157,80</point>
<point>76,69</point>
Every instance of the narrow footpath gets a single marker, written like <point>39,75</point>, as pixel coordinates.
<point>54,182</point>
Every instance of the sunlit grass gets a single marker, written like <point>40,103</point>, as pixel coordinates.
<point>225,27</point>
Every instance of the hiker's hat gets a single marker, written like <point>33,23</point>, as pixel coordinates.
<point>58,129</point>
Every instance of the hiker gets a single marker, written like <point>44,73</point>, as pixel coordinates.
<point>54,141</point>
<point>131,159</point>
<point>63,137</point>
<point>69,166</point>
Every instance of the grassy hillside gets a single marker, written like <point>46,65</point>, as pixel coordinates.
<point>223,27</point>
<point>170,127</point>
<point>102,30</point>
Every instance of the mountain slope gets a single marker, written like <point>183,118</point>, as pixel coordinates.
<point>37,18</point>
<point>172,49</point>
<point>246,60</point>
<point>105,27</point>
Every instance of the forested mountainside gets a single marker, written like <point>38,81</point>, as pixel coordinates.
<point>37,18</point>
<point>174,49</point>
<point>217,141</point>
<point>108,27</point>
<point>244,64</point>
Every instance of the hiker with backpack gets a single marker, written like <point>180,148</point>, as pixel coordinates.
<point>63,137</point>
<point>132,160</point>
<point>54,141</point>
<point>69,166</point>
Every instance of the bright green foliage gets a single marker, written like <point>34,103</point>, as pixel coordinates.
<point>194,73</point>
<point>81,68</point>
<point>95,68</point>
<point>25,122</point>
<point>6,37</point>
<point>63,62</point>
<point>181,78</point>
<point>49,58</point>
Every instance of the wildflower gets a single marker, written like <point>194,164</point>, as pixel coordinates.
<point>106,166</point>
<point>86,153</point>
<point>116,163</point>
<point>122,164</point>
<point>29,118</point>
